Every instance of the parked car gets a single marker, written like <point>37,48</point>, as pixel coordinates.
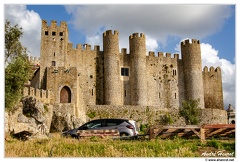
<point>124,126</point>
<point>134,123</point>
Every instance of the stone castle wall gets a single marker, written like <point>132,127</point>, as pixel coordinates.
<point>40,94</point>
<point>153,114</point>
<point>97,77</point>
<point>213,95</point>
<point>160,80</point>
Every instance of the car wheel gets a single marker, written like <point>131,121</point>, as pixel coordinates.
<point>124,134</point>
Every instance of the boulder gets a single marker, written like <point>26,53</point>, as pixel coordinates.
<point>62,121</point>
<point>31,119</point>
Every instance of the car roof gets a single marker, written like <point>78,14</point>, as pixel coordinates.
<point>111,119</point>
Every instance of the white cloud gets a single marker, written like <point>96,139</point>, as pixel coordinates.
<point>94,40</point>
<point>30,22</point>
<point>151,44</point>
<point>158,22</point>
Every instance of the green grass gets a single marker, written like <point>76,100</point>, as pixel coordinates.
<point>58,146</point>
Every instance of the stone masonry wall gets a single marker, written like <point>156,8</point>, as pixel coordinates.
<point>40,94</point>
<point>213,93</point>
<point>152,115</point>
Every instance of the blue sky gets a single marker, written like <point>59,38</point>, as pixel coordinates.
<point>164,26</point>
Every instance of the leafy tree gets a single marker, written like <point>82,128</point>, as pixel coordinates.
<point>17,66</point>
<point>190,111</point>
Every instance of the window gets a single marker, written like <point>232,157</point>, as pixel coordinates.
<point>124,71</point>
<point>53,63</point>
<point>53,33</point>
<point>174,72</point>
<point>112,122</point>
<point>61,34</point>
<point>92,124</point>
<point>46,32</point>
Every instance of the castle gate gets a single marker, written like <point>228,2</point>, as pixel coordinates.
<point>65,95</point>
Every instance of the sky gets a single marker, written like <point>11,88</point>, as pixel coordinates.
<point>165,26</point>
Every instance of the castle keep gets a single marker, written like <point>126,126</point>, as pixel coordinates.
<point>82,76</point>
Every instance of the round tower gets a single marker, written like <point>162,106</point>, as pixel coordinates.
<point>112,91</point>
<point>192,68</point>
<point>138,81</point>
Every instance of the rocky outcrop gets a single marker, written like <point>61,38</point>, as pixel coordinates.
<point>32,119</point>
<point>63,118</point>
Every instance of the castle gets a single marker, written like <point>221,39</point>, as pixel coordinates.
<point>82,76</point>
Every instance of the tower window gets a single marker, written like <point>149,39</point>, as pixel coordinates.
<point>53,33</point>
<point>124,71</point>
<point>46,32</point>
<point>174,72</point>
<point>61,34</point>
<point>53,63</point>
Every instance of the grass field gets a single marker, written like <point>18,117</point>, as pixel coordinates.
<point>58,146</point>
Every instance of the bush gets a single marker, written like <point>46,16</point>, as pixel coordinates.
<point>190,111</point>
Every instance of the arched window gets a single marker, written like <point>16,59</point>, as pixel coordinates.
<point>65,95</point>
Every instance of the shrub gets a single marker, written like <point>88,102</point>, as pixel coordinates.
<point>190,111</point>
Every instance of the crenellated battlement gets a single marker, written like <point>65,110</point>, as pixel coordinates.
<point>123,51</point>
<point>63,24</point>
<point>168,55</point>
<point>109,32</point>
<point>151,54</point>
<point>87,47</point>
<point>176,56</point>
<point>40,94</point>
<point>211,70</point>
<point>189,42</point>
<point>161,55</point>
<point>44,23</point>
<point>34,60</point>
<point>53,23</point>
<point>134,35</point>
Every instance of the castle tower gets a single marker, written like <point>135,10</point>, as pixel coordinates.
<point>112,87</point>
<point>192,69</point>
<point>54,40</point>
<point>138,81</point>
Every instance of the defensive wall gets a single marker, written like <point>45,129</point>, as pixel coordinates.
<point>153,114</point>
<point>40,94</point>
<point>212,85</point>
<point>34,60</point>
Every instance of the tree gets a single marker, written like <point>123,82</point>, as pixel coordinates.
<point>17,66</point>
<point>190,111</point>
